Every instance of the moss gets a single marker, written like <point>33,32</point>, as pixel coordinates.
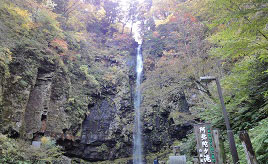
<point>5,59</point>
<point>79,133</point>
<point>19,151</point>
<point>180,117</point>
<point>162,155</point>
<point>176,143</point>
<point>23,83</point>
<point>117,161</point>
<point>118,145</point>
<point>102,148</point>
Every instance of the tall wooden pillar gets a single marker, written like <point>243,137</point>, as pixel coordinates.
<point>244,137</point>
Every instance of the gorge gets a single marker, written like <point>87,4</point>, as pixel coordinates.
<point>75,82</point>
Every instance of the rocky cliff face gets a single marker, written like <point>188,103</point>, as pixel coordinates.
<point>43,99</point>
<point>32,100</point>
<point>106,130</point>
<point>160,129</point>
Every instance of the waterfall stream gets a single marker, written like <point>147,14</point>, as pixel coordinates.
<point>137,152</point>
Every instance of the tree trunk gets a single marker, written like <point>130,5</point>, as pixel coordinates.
<point>123,28</point>
<point>131,30</point>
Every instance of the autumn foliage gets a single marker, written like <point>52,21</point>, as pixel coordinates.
<point>59,45</point>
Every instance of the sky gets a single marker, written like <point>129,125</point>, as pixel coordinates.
<point>136,34</point>
<point>125,1</point>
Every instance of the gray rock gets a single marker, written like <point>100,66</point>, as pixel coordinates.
<point>65,160</point>
<point>36,144</point>
<point>177,159</point>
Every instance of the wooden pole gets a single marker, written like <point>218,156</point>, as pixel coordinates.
<point>244,137</point>
<point>219,147</point>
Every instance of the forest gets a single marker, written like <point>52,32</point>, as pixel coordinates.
<point>68,79</point>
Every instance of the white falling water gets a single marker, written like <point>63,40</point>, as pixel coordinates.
<point>137,153</point>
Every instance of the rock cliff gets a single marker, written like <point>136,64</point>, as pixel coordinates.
<point>41,98</point>
<point>38,101</point>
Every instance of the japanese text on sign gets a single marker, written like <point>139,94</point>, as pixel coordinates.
<point>205,143</point>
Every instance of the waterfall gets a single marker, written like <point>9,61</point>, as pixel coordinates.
<point>137,152</point>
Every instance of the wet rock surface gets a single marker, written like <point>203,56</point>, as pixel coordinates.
<point>106,130</point>
<point>95,128</point>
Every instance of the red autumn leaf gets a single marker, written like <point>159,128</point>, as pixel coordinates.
<point>156,34</point>
<point>59,44</point>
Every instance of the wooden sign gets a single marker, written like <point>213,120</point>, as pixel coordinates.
<point>205,144</point>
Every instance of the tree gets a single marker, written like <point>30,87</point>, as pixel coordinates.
<point>66,7</point>
<point>112,11</point>
<point>240,26</point>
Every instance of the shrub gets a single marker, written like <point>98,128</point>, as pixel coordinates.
<point>19,151</point>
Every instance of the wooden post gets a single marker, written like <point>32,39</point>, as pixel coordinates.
<point>244,137</point>
<point>219,147</point>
